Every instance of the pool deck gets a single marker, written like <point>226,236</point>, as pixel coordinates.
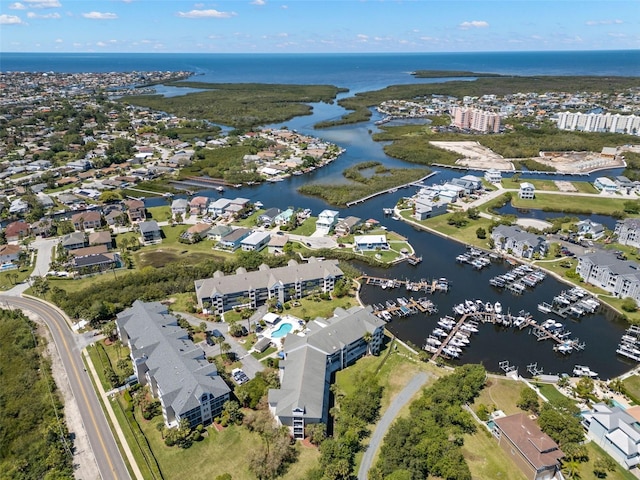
<point>287,319</point>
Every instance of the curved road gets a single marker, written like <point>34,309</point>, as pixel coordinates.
<point>414,385</point>
<point>105,450</point>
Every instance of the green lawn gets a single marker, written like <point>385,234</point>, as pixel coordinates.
<point>307,227</point>
<point>595,452</point>
<point>540,185</point>
<point>632,385</point>
<point>160,214</point>
<point>250,221</point>
<point>487,460</point>
<point>551,392</point>
<point>500,393</point>
<point>311,308</point>
<point>585,187</point>
<point>600,205</point>
<point>10,278</point>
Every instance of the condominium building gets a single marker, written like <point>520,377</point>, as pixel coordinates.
<point>628,232</point>
<point>174,368</point>
<point>327,345</point>
<point>475,119</point>
<point>224,292</point>
<point>618,277</point>
<point>599,122</point>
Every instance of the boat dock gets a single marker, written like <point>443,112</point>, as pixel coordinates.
<point>426,286</point>
<point>477,258</point>
<point>574,302</point>
<point>403,307</point>
<point>629,345</point>
<point>518,279</point>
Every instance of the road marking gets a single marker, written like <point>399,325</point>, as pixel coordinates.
<point>39,310</point>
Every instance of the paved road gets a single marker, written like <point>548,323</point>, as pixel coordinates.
<point>414,385</point>
<point>107,455</point>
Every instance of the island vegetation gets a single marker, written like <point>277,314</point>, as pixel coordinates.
<point>379,178</point>
<point>359,104</point>
<point>452,73</point>
<point>35,442</point>
<point>240,105</point>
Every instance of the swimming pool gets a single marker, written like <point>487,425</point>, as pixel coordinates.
<point>282,330</point>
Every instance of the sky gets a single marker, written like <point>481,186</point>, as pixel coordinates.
<point>313,26</point>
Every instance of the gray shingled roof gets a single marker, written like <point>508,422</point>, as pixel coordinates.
<point>265,276</point>
<point>619,267</point>
<point>178,365</point>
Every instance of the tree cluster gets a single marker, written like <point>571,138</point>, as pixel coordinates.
<point>428,442</point>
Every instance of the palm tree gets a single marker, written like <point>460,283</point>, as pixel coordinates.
<point>367,337</point>
<point>225,348</point>
<point>571,468</point>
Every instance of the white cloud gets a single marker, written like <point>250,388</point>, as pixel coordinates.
<point>259,2</point>
<point>474,24</point>
<point>206,14</point>
<point>17,6</point>
<point>101,44</point>
<point>10,20</point>
<point>42,3</point>
<point>427,39</point>
<point>362,37</point>
<point>603,22</point>
<point>59,40</point>
<point>617,35</point>
<point>48,15</point>
<point>284,7</point>
<point>100,16</point>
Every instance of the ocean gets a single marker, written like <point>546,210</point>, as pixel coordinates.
<point>358,72</point>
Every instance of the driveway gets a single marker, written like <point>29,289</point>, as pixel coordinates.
<point>43,260</point>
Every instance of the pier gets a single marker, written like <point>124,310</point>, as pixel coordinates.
<point>426,286</point>
<point>403,307</point>
<point>575,302</point>
<point>629,345</point>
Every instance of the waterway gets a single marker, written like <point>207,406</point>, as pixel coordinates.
<point>601,332</point>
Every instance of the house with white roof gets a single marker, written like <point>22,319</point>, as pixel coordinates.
<point>370,242</point>
<point>326,221</point>
<point>527,191</point>
<point>605,184</point>
<point>310,359</point>
<point>493,176</point>
<point>593,230</point>
<point>179,206</point>
<point>428,208</point>
<point>255,242</point>
<point>617,432</point>
<point>217,208</point>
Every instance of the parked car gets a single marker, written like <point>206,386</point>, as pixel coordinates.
<point>217,333</point>
<point>239,376</point>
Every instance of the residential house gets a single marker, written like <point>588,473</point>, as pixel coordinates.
<point>605,270</point>
<point>16,231</point>
<point>43,228</point>
<point>617,432</point>
<point>232,240</point>
<point>347,225</point>
<point>179,206</point>
<point>175,369</point>
<point>196,232</point>
<point>150,232</point>
<point>532,450</point>
<point>223,292</point>
<point>628,232</point>
<point>624,183</point>
<point>425,208</point>
<point>96,262</point>
<point>45,200</point>
<point>216,232</point>
<point>513,240</point>
<point>86,220</point>
<point>370,242</point>
<point>310,360</point>
<point>255,242</point>
<point>198,205</point>
<point>18,206</point>
<point>136,210</point>
<point>101,238</point>
<point>268,216</point>
<point>276,244</point>
<point>605,184</point>
<point>115,216</point>
<point>73,241</point>
<point>326,221</point>
<point>527,191</point>
<point>493,176</point>
<point>9,253</point>
<point>468,186</point>
<point>284,218</point>
<point>94,250</point>
<point>69,199</point>
<point>218,207</point>
<point>233,210</point>
<point>589,229</point>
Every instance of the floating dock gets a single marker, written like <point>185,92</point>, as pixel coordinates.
<point>426,286</point>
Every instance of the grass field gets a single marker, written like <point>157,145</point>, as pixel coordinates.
<point>307,227</point>
<point>601,205</point>
<point>585,187</point>
<point>595,452</point>
<point>487,460</point>
<point>160,214</point>
<point>310,308</point>
<point>632,385</point>
<point>550,392</point>
<point>501,393</point>
<point>540,185</point>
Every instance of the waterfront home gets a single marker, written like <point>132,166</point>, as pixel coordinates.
<point>223,292</point>
<point>459,190</point>
<point>532,450</point>
<point>605,270</point>
<point>73,241</point>
<point>86,220</point>
<point>179,206</point>
<point>42,228</point>
<point>310,360</point>
<point>365,243</point>
<point>96,262</point>
<point>347,225</point>
<point>150,232</point>
<point>69,199</point>
<point>284,217</point>
<point>527,191</point>
<point>45,200</point>
<point>628,232</point>
<point>326,221</point>
<point>196,232</point>
<point>232,240</point>
<point>101,238</point>
<point>428,208</point>
<point>617,432</point>
<point>624,183</point>
<point>493,176</point>
<point>136,210</point>
<point>175,369</point>
<point>605,184</point>
<point>268,217</point>
<point>469,183</point>
<point>217,208</point>
<point>216,232</point>
<point>16,231</point>
<point>518,242</point>
<point>198,205</point>
<point>255,242</point>
<point>589,229</point>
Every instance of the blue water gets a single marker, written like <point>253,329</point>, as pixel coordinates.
<point>282,330</point>
<point>357,72</point>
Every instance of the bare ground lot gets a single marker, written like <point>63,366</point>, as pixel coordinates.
<point>478,157</point>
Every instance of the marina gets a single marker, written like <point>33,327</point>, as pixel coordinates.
<point>574,302</point>
<point>518,279</point>
<point>403,307</point>
<point>629,345</point>
<point>425,286</point>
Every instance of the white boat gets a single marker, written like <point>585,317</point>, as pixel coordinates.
<point>439,332</point>
<point>582,371</point>
<point>488,307</point>
<point>468,328</point>
<point>258,204</point>
<point>544,307</point>
<point>497,307</point>
<point>433,342</point>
